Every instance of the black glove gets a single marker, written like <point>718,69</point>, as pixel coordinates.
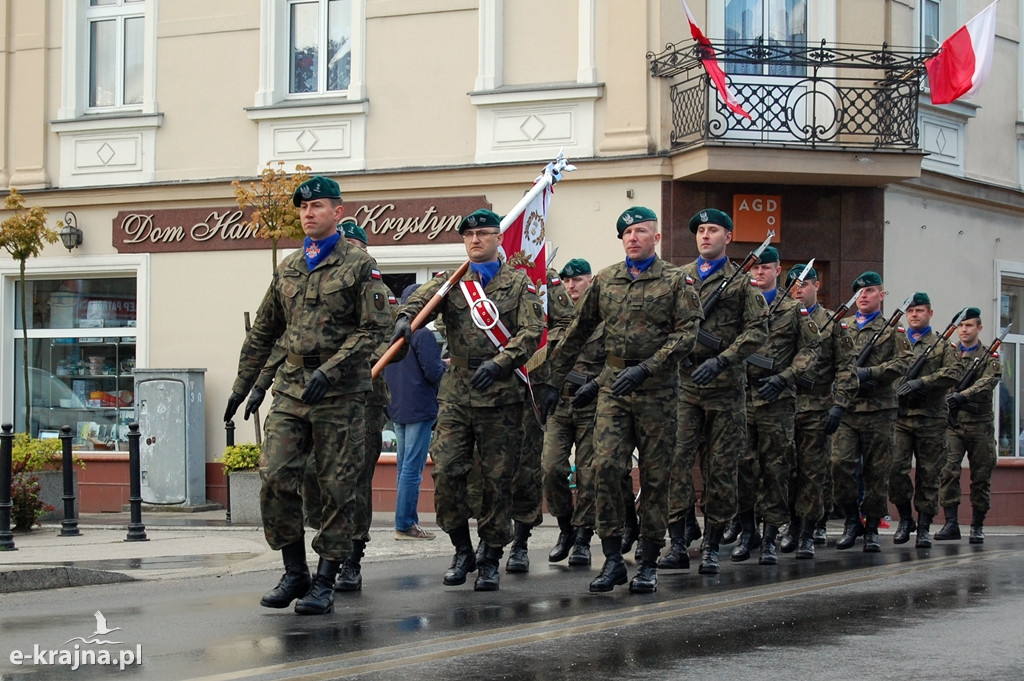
<point>708,369</point>
<point>955,400</point>
<point>403,329</point>
<point>832,419</point>
<point>863,374</point>
<point>907,387</point>
<point>316,388</point>
<point>255,400</point>
<point>629,379</point>
<point>486,374</point>
<point>547,400</point>
<point>771,387</point>
<point>585,394</point>
<point>234,402</point>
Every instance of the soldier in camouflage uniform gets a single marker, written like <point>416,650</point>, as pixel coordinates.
<point>650,316</point>
<point>764,468</point>
<point>712,395</point>
<point>973,432</point>
<point>865,436</point>
<point>328,304</point>
<point>921,426</point>
<point>480,399</point>
<point>569,426</point>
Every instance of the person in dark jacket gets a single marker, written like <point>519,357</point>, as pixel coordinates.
<point>413,383</point>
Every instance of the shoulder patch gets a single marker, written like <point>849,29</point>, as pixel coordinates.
<point>531,288</point>
<point>753,282</point>
<point>375,274</point>
<point>554,281</point>
<point>996,354</point>
<point>378,300</point>
<point>803,311</point>
<point>900,329</point>
<point>392,300</point>
<point>689,279</point>
<point>844,326</point>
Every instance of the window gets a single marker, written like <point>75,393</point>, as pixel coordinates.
<point>930,38</point>
<point>1010,414</point>
<point>116,35</point>
<point>319,46</point>
<point>773,22</point>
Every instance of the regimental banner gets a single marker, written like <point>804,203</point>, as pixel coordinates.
<point>397,222</point>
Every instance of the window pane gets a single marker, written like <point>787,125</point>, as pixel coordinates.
<point>930,25</point>
<point>303,47</point>
<point>743,25</point>
<point>134,30</point>
<point>339,44</point>
<point>102,3</point>
<point>1008,402</point>
<point>78,303</point>
<point>102,63</point>
<point>787,25</point>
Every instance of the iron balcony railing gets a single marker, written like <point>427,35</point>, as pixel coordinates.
<point>797,95</point>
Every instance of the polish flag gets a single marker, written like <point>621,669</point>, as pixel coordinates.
<point>707,53</point>
<point>964,59</point>
<point>525,246</point>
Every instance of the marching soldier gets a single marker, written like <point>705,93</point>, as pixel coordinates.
<point>712,395</point>
<point>921,426</point>
<point>865,436</point>
<point>328,304</point>
<point>972,432</point>
<point>493,323</point>
<point>650,314</point>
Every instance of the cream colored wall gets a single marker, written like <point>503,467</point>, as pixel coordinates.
<point>541,41</point>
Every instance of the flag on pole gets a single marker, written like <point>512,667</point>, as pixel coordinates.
<point>524,245</point>
<point>964,59</point>
<point>715,72</point>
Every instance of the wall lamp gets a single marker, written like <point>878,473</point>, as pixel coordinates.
<point>70,234</point>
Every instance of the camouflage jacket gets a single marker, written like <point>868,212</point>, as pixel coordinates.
<point>941,372</point>
<point>560,313</point>
<point>519,310</point>
<point>791,348</point>
<point>652,319</point>
<point>979,393</point>
<point>830,378</point>
<point>334,316</point>
<point>888,362</point>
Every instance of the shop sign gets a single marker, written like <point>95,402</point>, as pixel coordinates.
<point>397,222</point>
<point>753,215</point>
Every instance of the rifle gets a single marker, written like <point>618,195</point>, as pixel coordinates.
<point>971,375</point>
<point>842,310</point>
<point>791,290</point>
<point>869,386</point>
<point>918,366</point>
<point>708,304</point>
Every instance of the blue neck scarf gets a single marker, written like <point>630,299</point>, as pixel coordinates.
<point>638,267</point>
<point>316,251</point>
<point>964,350</point>
<point>485,270</point>
<point>914,336</point>
<point>863,320</point>
<point>705,268</point>
<point>770,295</point>
<point>812,308</point>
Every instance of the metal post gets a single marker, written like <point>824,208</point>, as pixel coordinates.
<point>68,526</point>
<point>229,441</point>
<point>136,530</point>
<point>6,450</point>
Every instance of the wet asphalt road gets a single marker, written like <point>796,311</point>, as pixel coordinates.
<point>954,612</point>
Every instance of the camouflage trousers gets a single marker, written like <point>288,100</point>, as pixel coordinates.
<point>568,427</point>
<point>527,488</point>
<point>978,439</point>
<point>487,438</point>
<point>719,435</point>
<point>332,433</point>
<point>643,420</point>
<point>763,470</point>
<point>811,482</point>
<point>922,439</point>
<point>864,438</point>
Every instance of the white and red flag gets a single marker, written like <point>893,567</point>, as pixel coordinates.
<point>964,59</point>
<point>525,247</point>
<point>715,72</point>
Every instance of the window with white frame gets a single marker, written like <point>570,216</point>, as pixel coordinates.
<point>773,22</point>
<point>319,46</point>
<point>1010,414</point>
<point>116,47</point>
<point>930,25</point>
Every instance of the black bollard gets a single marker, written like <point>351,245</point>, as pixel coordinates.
<point>6,450</point>
<point>136,530</point>
<point>229,441</point>
<point>68,526</point>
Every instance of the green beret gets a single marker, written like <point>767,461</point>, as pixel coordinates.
<point>920,298</point>
<point>316,188</point>
<point>972,313</point>
<point>710,216</point>
<point>350,229</point>
<point>796,270</point>
<point>575,268</point>
<point>480,218</point>
<point>633,216</point>
<point>769,255</point>
<point>869,278</point>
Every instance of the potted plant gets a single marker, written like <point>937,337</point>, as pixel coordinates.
<point>37,480</point>
<point>241,465</point>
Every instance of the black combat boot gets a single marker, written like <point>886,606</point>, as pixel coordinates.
<point>487,570</point>
<point>693,531</point>
<point>320,599</point>
<point>749,539</point>
<point>805,542</point>
<point>564,542</point>
<point>613,572</point>
<point>732,532</point>
<point>768,555</point>
<point>464,561</point>
<point>632,532</point>
<point>820,535</point>
<point>580,555</point>
<point>709,550</point>
<point>350,577</point>
<point>518,559</point>
<point>951,530</point>
<point>676,558</point>
<point>905,526</point>
<point>852,529</point>
<point>924,535</point>
<point>480,546</point>
<point>296,580</point>
<point>789,540</point>
<point>977,535</point>
<point>646,579</point>
<point>871,544</point>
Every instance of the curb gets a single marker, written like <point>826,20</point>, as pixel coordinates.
<point>39,579</point>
